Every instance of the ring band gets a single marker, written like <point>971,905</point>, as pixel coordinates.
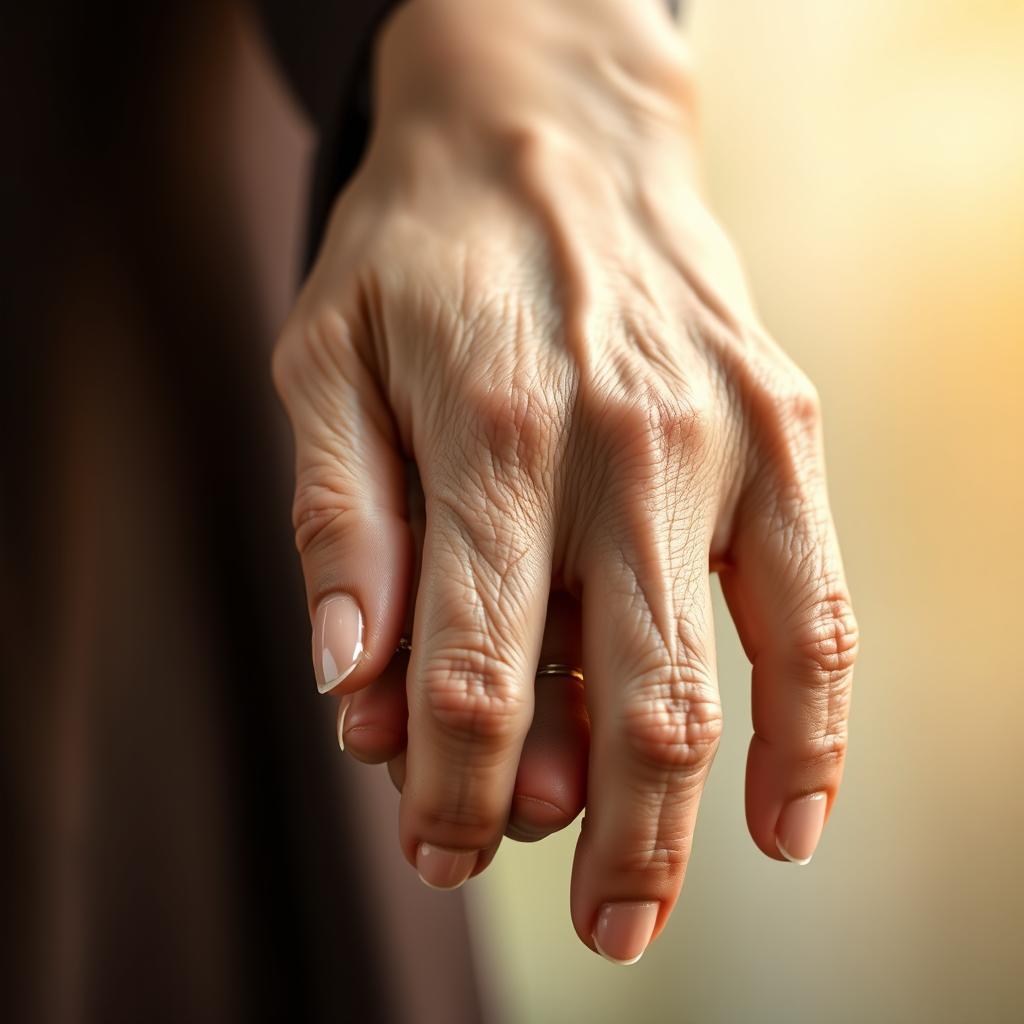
<point>556,668</point>
<point>552,668</point>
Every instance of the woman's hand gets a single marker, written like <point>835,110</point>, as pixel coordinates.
<point>521,291</point>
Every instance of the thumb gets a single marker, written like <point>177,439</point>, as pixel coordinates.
<point>349,512</point>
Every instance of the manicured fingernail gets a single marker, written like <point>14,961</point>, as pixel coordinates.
<point>342,712</point>
<point>623,930</point>
<point>444,869</point>
<point>799,827</point>
<point>337,640</point>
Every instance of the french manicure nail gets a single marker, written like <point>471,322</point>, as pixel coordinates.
<point>337,640</point>
<point>799,827</point>
<point>444,869</point>
<point>342,712</point>
<point>623,930</point>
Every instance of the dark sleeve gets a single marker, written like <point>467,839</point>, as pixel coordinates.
<point>321,44</point>
<point>325,50</point>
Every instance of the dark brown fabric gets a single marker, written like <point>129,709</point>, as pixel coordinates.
<point>182,840</point>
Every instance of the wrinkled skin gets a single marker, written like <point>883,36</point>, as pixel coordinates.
<point>522,293</point>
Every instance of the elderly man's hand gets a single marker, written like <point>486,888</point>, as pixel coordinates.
<point>521,292</point>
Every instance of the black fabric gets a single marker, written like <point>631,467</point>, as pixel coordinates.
<point>320,44</point>
<point>177,844</point>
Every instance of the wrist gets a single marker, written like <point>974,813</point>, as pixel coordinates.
<point>603,67</point>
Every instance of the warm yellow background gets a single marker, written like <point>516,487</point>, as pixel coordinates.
<point>868,159</point>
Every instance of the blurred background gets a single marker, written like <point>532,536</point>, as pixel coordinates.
<point>868,159</point>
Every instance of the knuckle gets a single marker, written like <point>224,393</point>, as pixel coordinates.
<point>688,424</point>
<point>494,460</point>
<point>829,747</point>
<point>827,650</point>
<point>797,403</point>
<point>656,857</point>
<point>313,345</point>
<point>822,753</point>
<point>785,407</point>
<point>673,720</point>
<point>472,697</point>
<point>514,428</point>
<point>791,415</point>
<point>644,423</point>
<point>686,428</point>
<point>322,507</point>
<point>828,640</point>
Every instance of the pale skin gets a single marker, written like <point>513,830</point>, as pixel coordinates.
<point>522,293</point>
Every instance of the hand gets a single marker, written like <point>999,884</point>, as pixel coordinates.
<point>521,291</point>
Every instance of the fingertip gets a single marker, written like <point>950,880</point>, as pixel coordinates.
<point>551,782</point>
<point>534,818</point>
<point>372,744</point>
<point>786,806</point>
<point>600,907</point>
<point>762,803</point>
<point>624,929</point>
<point>443,868</point>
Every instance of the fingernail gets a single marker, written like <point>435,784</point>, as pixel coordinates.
<point>337,640</point>
<point>342,712</point>
<point>623,930</point>
<point>799,827</point>
<point>444,869</point>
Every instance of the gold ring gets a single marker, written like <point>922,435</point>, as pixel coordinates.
<point>555,668</point>
<point>552,668</point>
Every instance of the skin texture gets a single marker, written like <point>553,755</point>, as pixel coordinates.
<point>522,293</point>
